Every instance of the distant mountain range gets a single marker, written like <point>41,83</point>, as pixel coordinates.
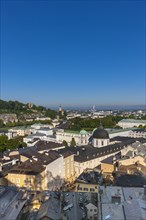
<point>16,105</point>
<point>104,108</point>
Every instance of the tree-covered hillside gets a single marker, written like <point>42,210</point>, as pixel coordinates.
<point>29,109</point>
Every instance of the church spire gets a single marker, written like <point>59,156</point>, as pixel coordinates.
<point>100,125</point>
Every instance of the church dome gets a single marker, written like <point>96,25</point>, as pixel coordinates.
<point>100,133</point>
<point>83,132</point>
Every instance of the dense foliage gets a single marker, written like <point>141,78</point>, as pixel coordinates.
<point>11,105</point>
<point>65,143</point>
<point>89,123</point>
<point>24,110</point>
<point>51,113</point>
<point>6,144</point>
<point>143,117</point>
<point>73,142</point>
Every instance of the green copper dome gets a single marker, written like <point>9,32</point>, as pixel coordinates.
<point>83,132</point>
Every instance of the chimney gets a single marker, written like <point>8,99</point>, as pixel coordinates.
<point>78,153</point>
<point>133,153</point>
<point>118,192</point>
<point>13,161</point>
<point>114,159</point>
<point>1,167</point>
<point>116,199</point>
<point>35,158</point>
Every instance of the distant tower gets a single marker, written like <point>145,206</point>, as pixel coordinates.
<point>93,110</point>
<point>30,105</point>
<point>60,108</point>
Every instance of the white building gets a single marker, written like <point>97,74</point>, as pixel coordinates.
<point>81,138</point>
<point>119,132</point>
<point>43,118</point>
<point>8,118</point>
<point>100,137</point>
<point>137,133</point>
<point>55,171</point>
<point>129,123</point>
<point>21,130</point>
<point>55,122</point>
<point>88,157</point>
<point>92,211</point>
<point>45,131</point>
<point>31,137</point>
<point>39,126</point>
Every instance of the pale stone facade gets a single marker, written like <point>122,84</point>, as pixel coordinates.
<point>100,142</point>
<point>80,138</point>
<point>89,164</point>
<point>129,123</point>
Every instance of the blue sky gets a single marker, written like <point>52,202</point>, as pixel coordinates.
<point>73,52</point>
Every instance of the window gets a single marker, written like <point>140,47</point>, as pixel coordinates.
<point>79,188</point>
<point>12,180</point>
<point>85,189</point>
<point>17,180</point>
<point>92,190</point>
<point>91,210</point>
<point>95,210</point>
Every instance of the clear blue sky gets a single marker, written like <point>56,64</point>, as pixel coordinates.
<point>73,52</point>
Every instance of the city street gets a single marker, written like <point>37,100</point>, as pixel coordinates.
<point>76,212</point>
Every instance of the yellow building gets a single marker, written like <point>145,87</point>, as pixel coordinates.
<point>107,168</point>
<point>29,174</point>
<point>69,171</point>
<point>82,186</point>
<point>38,172</point>
<point>108,165</point>
<point>88,182</point>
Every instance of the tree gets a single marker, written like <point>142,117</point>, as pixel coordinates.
<point>143,117</point>
<point>140,126</point>
<point>65,143</point>
<point>131,116</point>
<point>1,123</point>
<point>3,142</point>
<point>6,144</point>
<point>51,113</point>
<point>73,143</point>
<point>13,143</point>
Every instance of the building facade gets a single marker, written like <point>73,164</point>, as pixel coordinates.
<point>81,138</point>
